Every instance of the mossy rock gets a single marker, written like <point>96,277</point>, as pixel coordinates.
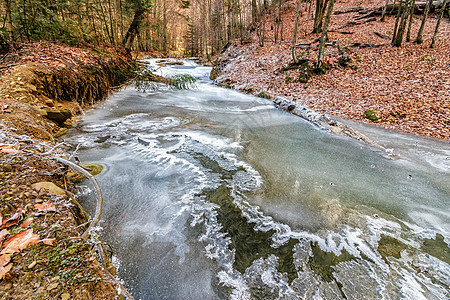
<point>264,95</point>
<point>214,73</point>
<point>93,169</point>
<point>372,115</point>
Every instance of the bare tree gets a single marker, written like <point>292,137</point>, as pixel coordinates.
<point>323,38</point>
<point>419,39</point>
<point>294,38</point>
<point>444,6</point>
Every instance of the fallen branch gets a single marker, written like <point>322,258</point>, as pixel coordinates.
<point>99,206</point>
<point>355,23</point>
<point>364,45</point>
<point>382,35</point>
<point>354,9</point>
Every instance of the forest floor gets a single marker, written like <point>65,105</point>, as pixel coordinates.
<point>408,87</point>
<point>42,254</point>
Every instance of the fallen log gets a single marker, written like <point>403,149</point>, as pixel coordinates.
<point>392,9</point>
<point>354,9</point>
<point>355,23</point>
<point>364,45</point>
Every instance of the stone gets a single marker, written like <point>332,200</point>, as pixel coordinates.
<point>57,115</point>
<point>49,103</point>
<point>49,186</point>
<point>93,169</point>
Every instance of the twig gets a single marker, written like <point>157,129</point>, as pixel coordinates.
<point>98,209</point>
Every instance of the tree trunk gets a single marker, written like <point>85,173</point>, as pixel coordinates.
<point>397,19</point>
<point>444,6</point>
<point>9,23</point>
<point>294,38</point>
<point>254,13</point>
<point>411,15</point>
<point>321,5</point>
<point>384,11</point>
<point>324,35</point>
<point>419,39</point>
<point>133,30</point>
<point>401,29</point>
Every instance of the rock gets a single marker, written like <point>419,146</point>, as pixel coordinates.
<point>49,186</point>
<point>264,95</point>
<point>372,115</point>
<point>57,115</point>
<point>93,169</point>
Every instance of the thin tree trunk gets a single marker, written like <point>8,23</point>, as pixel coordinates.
<point>397,19</point>
<point>294,38</point>
<point>324,35</point>
<point>133,30</point>
<point>384,11</point>
<point>419,39</point>
<point>401,29</point>
<point>254,13</point>
<point>9,23</point>
<point>321,5</point>
<point>411,15</point>
<point>438,23</point>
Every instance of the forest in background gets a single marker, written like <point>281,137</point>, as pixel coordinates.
<point>174,27</point>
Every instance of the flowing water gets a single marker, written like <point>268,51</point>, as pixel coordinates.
<point>213,194</point>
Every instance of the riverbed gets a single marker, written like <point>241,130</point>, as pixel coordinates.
<point>214,194</point>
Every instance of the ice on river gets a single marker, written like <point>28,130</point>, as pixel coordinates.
<point>213,194</point>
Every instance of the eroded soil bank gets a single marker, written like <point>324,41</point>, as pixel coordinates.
<point>406,87</point>
<point>42,88</point>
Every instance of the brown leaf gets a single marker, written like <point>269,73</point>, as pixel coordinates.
<point>14,220</point>
<point>4,259</point>
<point>5,270</point>
<point>26,223</point>
<point>48,241</point>
<point>45,207</point>
<point>3,234</point>
<point>20,241</point>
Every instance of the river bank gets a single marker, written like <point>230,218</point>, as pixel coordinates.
<point>406,87</point>
<point>43,88</point>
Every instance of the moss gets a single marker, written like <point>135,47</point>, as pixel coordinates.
<point>372,115</point>
<point>264,95</point>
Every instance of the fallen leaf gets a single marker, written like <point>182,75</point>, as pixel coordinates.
<point>14,220</point>
<point>4,107</point>
<point>26,223</point>
<point>4,259</point>
<point>30,266</point>
<point>45,207</point>
<point>5,270</point>
<point>4,233</point>
<point>52,286</point>
<point>48,241</point>
<point>20,241</point>
<point>65,296</point>
<point>8,149</point>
